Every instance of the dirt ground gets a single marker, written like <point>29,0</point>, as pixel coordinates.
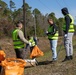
<point>45,67</point>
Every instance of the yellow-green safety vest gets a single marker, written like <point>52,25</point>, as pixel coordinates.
<point>16,40</point>
<point>55,36</point>
<point>32,41</point>
<point>71,28</point>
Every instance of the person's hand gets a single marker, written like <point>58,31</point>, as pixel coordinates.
<point>46,32</point>
<point>65,35</point>
<point>30,44</point>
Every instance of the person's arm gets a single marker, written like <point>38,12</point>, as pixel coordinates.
<point>21,36</point>
<point>54,29</point>
<point>67,20</point>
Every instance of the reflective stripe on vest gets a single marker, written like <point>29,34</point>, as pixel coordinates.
<point>55,36</point>
<point>71,28</point>
<point>16,41</point>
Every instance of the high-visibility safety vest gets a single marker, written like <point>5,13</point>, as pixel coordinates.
<point>16,40</point>
<point>55,36</point>
<point>71,28</point>
<point>32,41</point>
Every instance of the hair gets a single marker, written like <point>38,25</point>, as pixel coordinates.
<point>50,19</point>
<point>19,22</point>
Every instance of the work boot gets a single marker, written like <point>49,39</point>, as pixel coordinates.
<point>66,58</point>
<point>71,57</point>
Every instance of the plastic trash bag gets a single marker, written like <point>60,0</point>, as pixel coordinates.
<point>2,55</point>
<point>36,52</point>
<point>12,66</point>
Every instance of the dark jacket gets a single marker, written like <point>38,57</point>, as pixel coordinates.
<point>67,19</point>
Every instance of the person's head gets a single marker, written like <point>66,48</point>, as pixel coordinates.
<point>64,11</point>
<point>50,21</point>
<point>19,25</point>
<point>31,37</point>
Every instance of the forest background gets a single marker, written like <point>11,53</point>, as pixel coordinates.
<point>36,22</point>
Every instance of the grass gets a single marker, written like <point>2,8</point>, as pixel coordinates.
<point>45,67</point>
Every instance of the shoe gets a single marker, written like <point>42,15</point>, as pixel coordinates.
<point>71,57</point>
<point>54,60</point>
<point>66,58</point>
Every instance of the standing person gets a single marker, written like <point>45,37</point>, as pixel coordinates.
<point>19,40</point>
<point>68,29</point>
<point>53,38</point>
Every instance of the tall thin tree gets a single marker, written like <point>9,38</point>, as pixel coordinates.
<point>24,18</point>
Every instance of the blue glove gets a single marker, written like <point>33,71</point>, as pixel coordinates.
<point>65,35</point>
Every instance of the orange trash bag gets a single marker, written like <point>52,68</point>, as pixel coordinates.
<point>36,52</point>
<point>13,66</point>
<point>2,55</point>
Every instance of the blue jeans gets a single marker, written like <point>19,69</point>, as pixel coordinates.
<point>53,44</point>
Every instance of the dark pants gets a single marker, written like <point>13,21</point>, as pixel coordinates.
<point>26,46</point>
<point>31,49</point>
<point>20,53</point>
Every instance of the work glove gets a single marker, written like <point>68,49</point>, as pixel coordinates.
<point>46,32</point>
<point>65,36</point>
<point>30,44</point>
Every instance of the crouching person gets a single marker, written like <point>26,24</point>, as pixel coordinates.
<point>31,40</point>
<point>34,50</point>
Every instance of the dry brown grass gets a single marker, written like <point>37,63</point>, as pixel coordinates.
<point>45,67</point>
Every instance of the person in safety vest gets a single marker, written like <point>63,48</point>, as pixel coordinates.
<point>35,39</point>
<point>19,40</point>
<point>52,34</point>
<point>33,44</point>
<point>31,40</point>
<point>68,29</point>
